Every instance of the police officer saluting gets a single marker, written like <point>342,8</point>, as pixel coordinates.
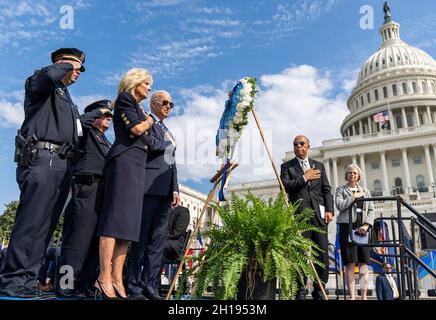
<point>47,140</point>
<point>79,242</point>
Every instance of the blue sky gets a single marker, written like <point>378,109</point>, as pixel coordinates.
<point>304,53</point>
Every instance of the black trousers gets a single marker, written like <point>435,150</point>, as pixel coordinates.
<point>145,258</point>
<point>79,242</point>
<point>49,265</point>
<point>321,240</point>
<point>44,187</point>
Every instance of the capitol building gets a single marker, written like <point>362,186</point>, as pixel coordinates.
<point>397,154</point>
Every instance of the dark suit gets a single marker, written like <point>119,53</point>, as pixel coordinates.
<point>312,194</point>
<point>146,255</point>
<point>178,223</point>
<point>383,288</point>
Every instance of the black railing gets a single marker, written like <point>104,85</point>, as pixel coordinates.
<point>406,259</point>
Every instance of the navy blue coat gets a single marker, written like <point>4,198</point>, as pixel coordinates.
<point>93,148</point>
<point>161,166</point>
<point>383,288</point>
<point>125,173</point>
<point>127,114</point>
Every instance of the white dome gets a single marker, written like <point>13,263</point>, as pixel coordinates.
<point>394,53</point>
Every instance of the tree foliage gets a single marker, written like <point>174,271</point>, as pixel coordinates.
<point>7,220</point>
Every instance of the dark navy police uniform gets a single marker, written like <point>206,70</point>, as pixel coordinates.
<point>53,121</point>
<point>124,173</point>
<point>79,241</point>
<point>160,184</point>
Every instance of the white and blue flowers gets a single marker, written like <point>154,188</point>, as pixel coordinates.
<point>235,117</point>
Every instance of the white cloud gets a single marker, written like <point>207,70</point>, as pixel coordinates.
<point>11,114</point>
<point>349,79</point>
<point>296,101</point>
<point>216,22</point>
<point>292,16</point>
<point>83,101</point>
<point>12,110</point>
<point>112,78</point>
<point>25,24</point>
<point>175,57</point>
<point>214,10</point>
<point>164,3</point>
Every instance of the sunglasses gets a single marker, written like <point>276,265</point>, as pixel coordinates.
<point>107,115</point>
<point>301,143</point>
<point>166,103</point>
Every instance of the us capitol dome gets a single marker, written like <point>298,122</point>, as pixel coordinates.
<point>390,131</point>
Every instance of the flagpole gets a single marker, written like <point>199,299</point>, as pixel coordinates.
<point>389,115</point>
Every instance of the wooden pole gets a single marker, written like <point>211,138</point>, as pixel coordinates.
<point>217,180</point>
<point>282,188</point>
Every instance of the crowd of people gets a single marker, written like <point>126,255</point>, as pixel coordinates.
<point>124,195</point>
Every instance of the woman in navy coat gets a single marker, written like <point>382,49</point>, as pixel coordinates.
<point>120,218</point>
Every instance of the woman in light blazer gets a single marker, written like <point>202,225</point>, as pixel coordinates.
<point>362,218</point>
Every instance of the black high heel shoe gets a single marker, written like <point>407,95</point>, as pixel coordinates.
<point>120,297</point>
<point>100,294</point>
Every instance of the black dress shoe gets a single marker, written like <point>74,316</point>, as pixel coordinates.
<point>300,296</point>
<point>138,296</point>
<point>153,296</point>
<point>90,292</point>
<point>317,295</point>
<point>70,294</point>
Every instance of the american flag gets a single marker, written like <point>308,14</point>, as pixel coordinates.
<point>381,117</point>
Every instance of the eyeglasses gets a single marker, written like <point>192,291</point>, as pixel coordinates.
<point>107,115</point>
<point>166,103</point>
<point>301,143</point>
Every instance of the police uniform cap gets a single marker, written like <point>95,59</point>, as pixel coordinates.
<point>69,54</point>
<point>101,104</point>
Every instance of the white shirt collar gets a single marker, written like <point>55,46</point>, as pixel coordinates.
<point>156,117</point>
<point>302,160</point>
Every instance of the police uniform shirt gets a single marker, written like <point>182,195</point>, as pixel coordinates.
<point>93,152</point>
<point>49,112</point>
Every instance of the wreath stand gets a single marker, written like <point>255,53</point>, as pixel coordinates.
<point>216,179</point>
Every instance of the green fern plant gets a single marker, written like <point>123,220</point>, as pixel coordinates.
<point>256,235</point>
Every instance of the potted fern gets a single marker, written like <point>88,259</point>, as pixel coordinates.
<point>257,244</point>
